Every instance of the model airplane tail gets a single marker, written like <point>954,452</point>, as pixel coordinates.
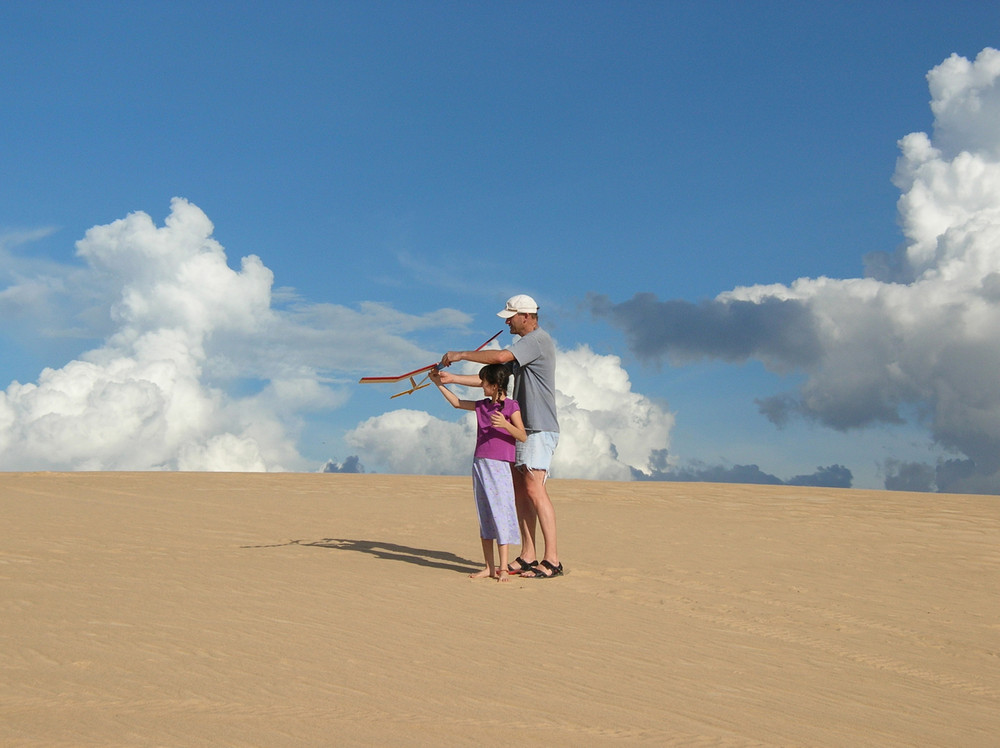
<point>411,375</point>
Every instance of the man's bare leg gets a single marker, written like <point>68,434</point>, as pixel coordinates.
<point>534,482</point>
<point>526,518</point>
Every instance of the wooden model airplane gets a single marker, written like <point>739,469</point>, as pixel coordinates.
<point>412,375</point>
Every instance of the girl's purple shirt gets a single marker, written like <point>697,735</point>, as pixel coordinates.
<point>491,442</point>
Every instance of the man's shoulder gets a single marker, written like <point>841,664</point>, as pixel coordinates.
<point>541,338</point>
<point>538,334</point>
<point>535,344</point>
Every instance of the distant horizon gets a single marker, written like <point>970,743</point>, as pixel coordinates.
<point>556,478</point>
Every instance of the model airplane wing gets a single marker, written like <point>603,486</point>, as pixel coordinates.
<point>412,375</point>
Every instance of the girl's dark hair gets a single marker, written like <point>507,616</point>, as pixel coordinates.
<point>497,374</point>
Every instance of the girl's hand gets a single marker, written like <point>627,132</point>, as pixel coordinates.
<point>499,421</point>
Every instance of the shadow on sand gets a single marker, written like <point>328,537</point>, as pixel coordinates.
<point>388,551</point>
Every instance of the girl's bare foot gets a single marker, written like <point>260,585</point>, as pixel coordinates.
<point>503,576</point>
<point>482,574</point>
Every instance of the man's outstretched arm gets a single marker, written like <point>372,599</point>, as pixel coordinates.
<point>478,357</point>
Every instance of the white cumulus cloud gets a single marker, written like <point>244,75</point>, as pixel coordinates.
<point>607,431</point>
<point>139,401</point>
<point>181,330</point>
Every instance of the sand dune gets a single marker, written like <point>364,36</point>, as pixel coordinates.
<point>179,609</point>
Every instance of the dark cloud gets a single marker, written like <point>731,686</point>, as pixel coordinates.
<point>351,465</point>
<point>834,476</point>
<point>856,405</point>
<point>778,331</point>
<point>909,476</point>
<point>948,476</point>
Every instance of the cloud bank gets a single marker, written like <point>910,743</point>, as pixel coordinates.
<point>832,476</point>
<point>607,431</point>
<point>198,370</point>
<point>917,337</point>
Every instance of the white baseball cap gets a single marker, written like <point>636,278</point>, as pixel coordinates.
<point>519,304</point>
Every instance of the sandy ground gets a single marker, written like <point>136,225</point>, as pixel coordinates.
<point>179,609</point>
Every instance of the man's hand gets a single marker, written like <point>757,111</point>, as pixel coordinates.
<point>449,358</point>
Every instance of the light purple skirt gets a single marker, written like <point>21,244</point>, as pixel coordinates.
<point>494,491</point>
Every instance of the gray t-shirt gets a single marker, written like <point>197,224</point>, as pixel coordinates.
<point>534,368</point>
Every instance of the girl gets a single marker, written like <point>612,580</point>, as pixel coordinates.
<point>498,420</point>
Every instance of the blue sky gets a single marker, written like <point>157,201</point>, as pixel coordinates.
<point>401,168</point>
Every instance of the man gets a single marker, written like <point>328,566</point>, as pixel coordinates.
<point>532,358</point>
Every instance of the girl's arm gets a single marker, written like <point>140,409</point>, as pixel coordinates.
<point>514,427</point>
<point>450,396</point>
<point>466,380</point>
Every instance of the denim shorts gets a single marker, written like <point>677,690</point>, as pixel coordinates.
<point>536,452</point>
